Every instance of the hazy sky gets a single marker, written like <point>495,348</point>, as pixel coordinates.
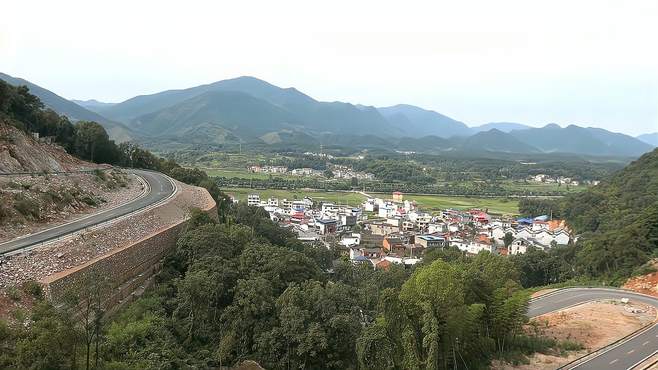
<point>592,63</point>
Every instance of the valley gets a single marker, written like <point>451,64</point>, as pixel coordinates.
<point>307,234</point>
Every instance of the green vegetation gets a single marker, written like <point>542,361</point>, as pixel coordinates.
<point>438,202</point>
<point>247,289</point>
<point>86,140</point>
<point>618,226</point>
<point>27,207</point>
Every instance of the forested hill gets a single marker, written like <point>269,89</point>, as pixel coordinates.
<point>616,223</point>
<point>618,218</point>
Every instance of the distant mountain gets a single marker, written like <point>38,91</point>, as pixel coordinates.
<point>417,122</point>
<point>651,139</point>
<point>495,140</point>
<point>72,110</point>
<point>300,111</point>
<point>217,117</point>
<point>580,140</point>
<point>246,110</point>
<point>93,104</point>
<point>501,126</point>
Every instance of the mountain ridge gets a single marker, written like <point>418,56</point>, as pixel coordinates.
<point>247,109</point>
<point>73,111</point>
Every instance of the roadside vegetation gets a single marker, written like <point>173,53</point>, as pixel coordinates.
<point>247,289</point>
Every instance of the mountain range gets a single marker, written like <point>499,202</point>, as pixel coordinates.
<point>651,139</point>
<point>249,110</point>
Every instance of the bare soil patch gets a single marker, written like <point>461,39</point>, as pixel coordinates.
<point>593,324</point>
<point>645,284</point>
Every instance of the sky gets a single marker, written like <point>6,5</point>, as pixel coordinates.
<point>586,62</point>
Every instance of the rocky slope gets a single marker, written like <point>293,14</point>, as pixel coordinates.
<point>20,153</point>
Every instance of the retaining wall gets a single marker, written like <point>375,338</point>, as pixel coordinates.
<point>124,269</point>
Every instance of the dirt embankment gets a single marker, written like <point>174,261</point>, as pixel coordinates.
<point>647,283</point>
<point>20,152</point>
<point>593,325</point>
<point>32,203</point>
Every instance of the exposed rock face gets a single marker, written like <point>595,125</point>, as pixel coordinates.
<point>20,152</point>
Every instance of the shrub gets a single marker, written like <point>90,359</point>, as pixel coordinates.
<point>100,175</point>
<point>89,200</point>
<point>569,345</point>
<point>13,293</point>
<point>5,213</point>
<point>33,288</point>
<point>27,207</point>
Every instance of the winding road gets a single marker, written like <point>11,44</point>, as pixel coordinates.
<point>625,354</point>
<point>159,188</point>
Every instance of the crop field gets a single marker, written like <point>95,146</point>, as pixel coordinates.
<point>429,203</point>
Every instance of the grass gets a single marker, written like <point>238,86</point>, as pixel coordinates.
<point>425,202</point>
<point>438,202</point>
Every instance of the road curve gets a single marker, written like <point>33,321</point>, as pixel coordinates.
<point>160,187</point>
<point>623,355</point>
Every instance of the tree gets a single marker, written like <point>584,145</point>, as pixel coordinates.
<point>328,174</point>
<point>93,143</point>
<point>508,239</point>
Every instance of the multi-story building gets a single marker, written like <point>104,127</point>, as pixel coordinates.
<point>253,200</point>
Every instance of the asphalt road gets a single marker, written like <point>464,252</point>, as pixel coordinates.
<point>620,356</point>
<point>160,188</point>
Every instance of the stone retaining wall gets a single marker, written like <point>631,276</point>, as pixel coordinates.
<point>125,268</point>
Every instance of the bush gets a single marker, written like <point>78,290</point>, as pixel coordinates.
<point>89,200</point>
<point>647,268</point>
<point>33,288</point>
<point>100,175</point>
<point>13,293</point>
<point>5,213</point>
<point>27,207</point>
<point>569,345</point>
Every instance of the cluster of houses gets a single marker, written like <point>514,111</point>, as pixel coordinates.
<point>311,221</point>
<point>560,180</point>
<point>268,169</point>
<point>386,231</point>
<point>339,172</point>
<point>345,172</point>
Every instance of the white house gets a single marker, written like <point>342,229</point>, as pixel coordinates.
<point>519,246</point>
<point>437,228</point>
<point>476,247</point>
<point>253,199</point>
<point>351,240</point>
<point>423,221</point>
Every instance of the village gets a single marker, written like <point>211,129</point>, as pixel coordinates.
<point>560,180</point>
<point>336,171</point>
<point>382,232</point>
